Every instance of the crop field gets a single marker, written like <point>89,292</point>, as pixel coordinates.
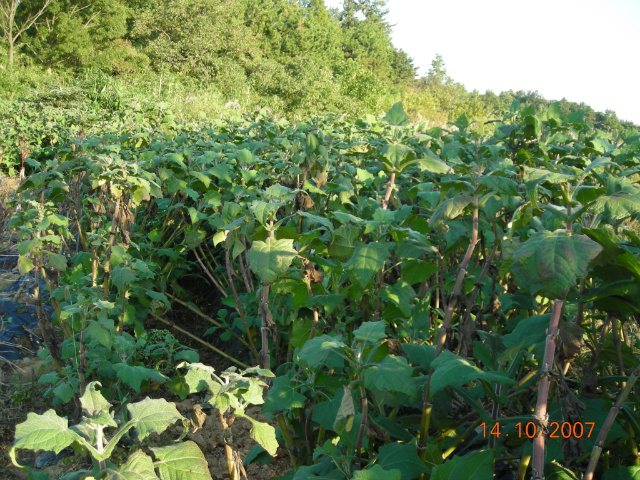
<point>387,301</point>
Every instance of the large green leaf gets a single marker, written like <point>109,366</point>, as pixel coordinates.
<point>366,261</point>
<point>271,259</point>
<point>501,185</point>
<point>182,461</point>
<point>618,206</point>
<point>370,332</point>
<point>396,115</point>
<point>134,375</point>
<point>392,374</point>
<point>476,466</point>
<point>550,263</point>
<point>403,457</point>
<point>283,396</point>
<point>316,350</point>
<point>152,416</point>
<point>450,370</point>
<point>44,432</point>
<point>377,473</point>
<point>139,466</point>
<point>622,473</point>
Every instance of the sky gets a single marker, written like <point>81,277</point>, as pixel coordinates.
<point>582,50</point>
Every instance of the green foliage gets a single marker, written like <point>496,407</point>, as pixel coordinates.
<point>397,278</point>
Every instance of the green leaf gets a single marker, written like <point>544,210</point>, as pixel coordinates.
<point>403,457</point>
<point>618,206</point>
<point>366,261</point>
<point>400,294</point>
<point>122,276</point>
<point>182,461</point>
<point>263,433</point>
<point>502,185</point>
<point>93,403</point>
<point>392,374</point>
<point>44,432</point>
<point>134,375</point>
<point>451,208</point>
<point>622,473</point>
<point>139,466</point>
<point>316,350</point>
<point>550,263</point>
<point>283,396</point>
<point>271,259</point>
<point>433,164</point>
<point>264,212</point>
<point>102,331</point>
<point>394,154</point>
<point>476,465</point>
<point>28,246</point>
<point>152,416</point>
<point>450,370</point>
<point>377,473</point>
<point>396,115</point>
<point>56,261</point>
<point>554,471</point>
<point>345,239</point>
<point>370,332</point>
<point>317,219</point>
<point>418,271</point>
<point>25,265</point>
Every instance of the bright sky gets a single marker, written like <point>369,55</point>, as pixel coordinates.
<point>582,50</point>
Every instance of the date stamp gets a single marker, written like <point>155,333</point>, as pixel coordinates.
<point>530,430</point>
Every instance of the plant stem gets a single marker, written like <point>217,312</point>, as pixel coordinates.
<point>387,196</point>
<point>199,340</point>
<point>267,325</point>
<point>540,416</point>
<point>449,308</point>
<point>608,423</point>
<point>288,441</point>
<point>202,315</point>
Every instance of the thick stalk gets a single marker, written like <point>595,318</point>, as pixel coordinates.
<point>608,423</point>
<point>112,240</point>
<point>387,196</point>
<point>232,468</point>
<point>363,423</point>
<point>316,317</point>
<point>288,441</point>
<point>267,325</point>
<point>540,416</point>
<point>252,346</point>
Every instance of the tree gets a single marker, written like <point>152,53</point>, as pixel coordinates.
<point>77,34</point>
<point>16,17</point>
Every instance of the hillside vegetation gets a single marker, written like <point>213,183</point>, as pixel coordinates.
<point>209,57</point>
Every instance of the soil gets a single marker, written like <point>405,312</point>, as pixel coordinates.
<point>20,392</point>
